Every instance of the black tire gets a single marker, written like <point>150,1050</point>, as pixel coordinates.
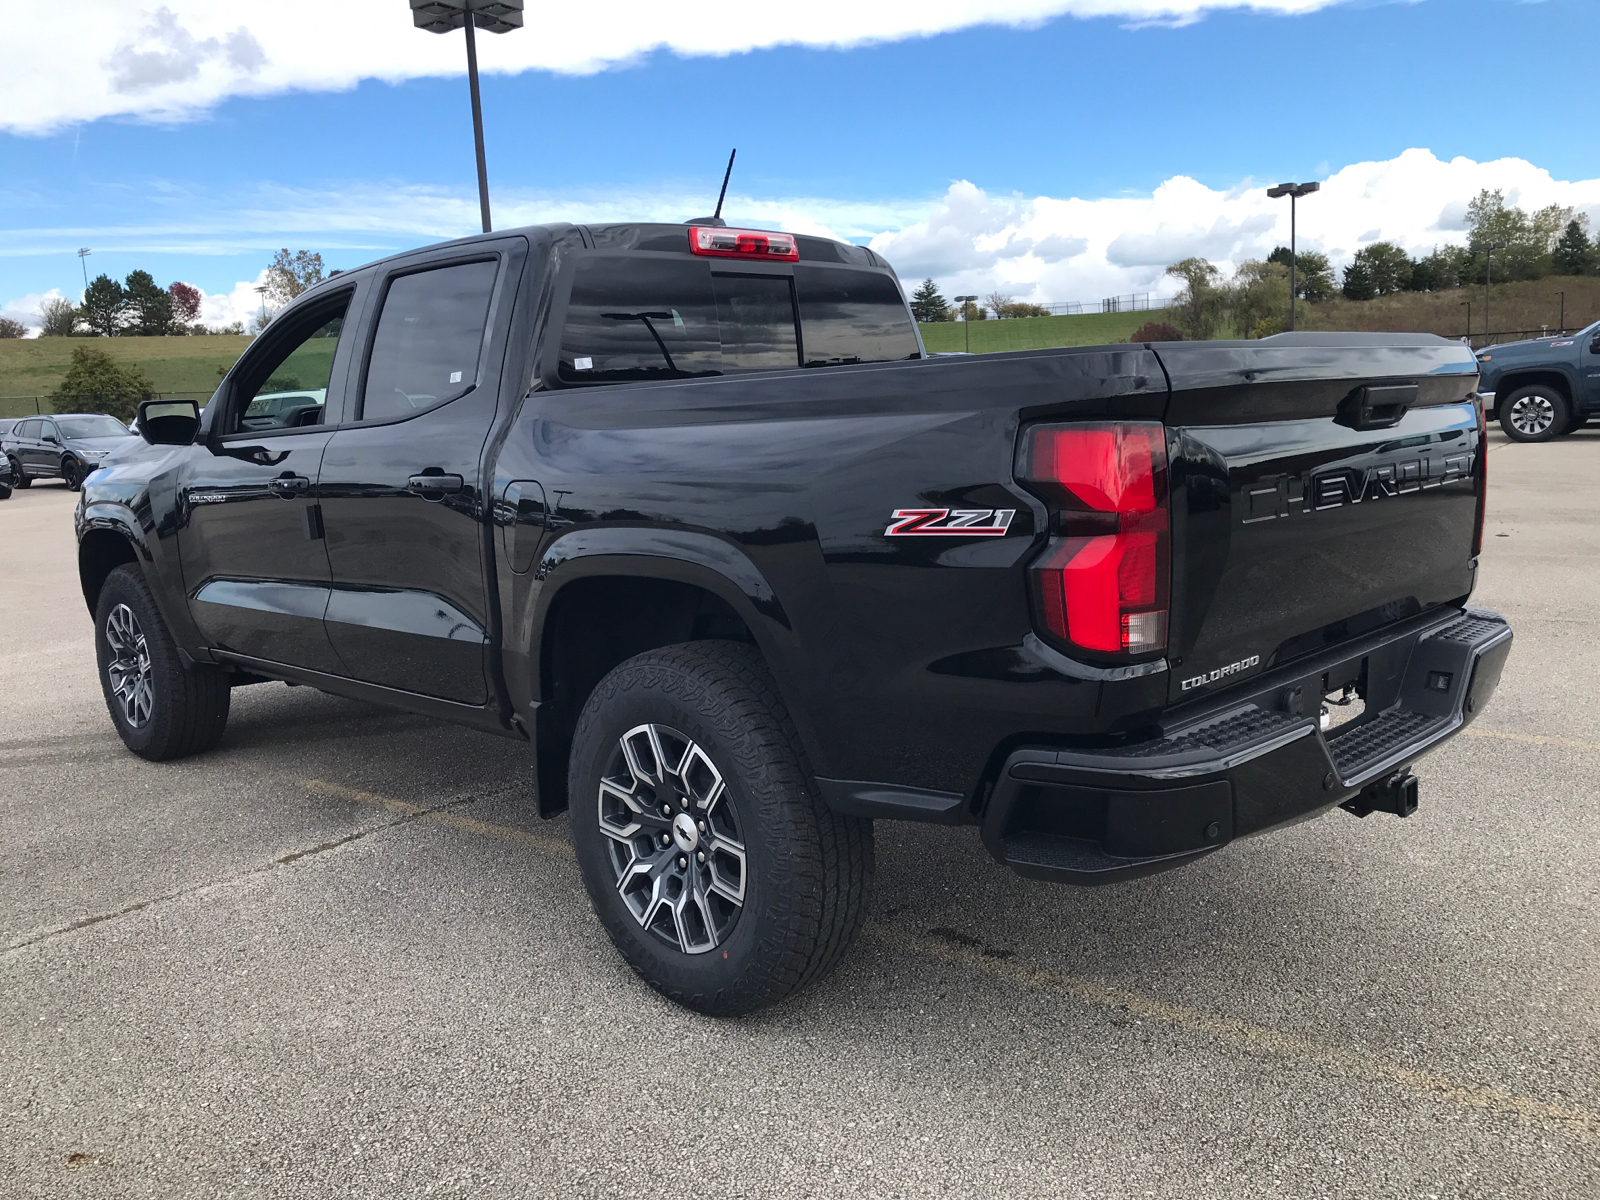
<point>72,473</point>
<point>1537,413</point>
<point>180,710</point>
<point>805,871</point>
<point>19,479</point>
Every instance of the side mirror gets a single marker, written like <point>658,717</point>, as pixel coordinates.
<point>169,422</point>
<point>1594,346</point>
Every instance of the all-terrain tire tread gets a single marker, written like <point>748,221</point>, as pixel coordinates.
<point>828,854</point>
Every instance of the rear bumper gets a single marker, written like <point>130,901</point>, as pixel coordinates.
<point>1246,764</point>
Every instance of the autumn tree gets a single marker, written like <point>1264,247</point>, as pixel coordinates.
<point>290,274</point>
<point>185,303</point>
<point>998,301</point>
<point>12,329</point>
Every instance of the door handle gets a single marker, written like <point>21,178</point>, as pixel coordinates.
<point>288,486</point>
<point>434,485</point>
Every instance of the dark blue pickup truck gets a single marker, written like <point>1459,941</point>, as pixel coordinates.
<point>1544,388</point>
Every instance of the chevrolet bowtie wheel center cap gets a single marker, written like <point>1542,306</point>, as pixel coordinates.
<point>684,832</point>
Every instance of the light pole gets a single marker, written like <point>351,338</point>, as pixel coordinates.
<point>1562,328</point>
<point>83,261</point>
<point>1467,304</point>
<point>497,16</point>
<point>1294,191</point>
<point>261,290</point>
<point>966,318</point>
<point>1488,278</point>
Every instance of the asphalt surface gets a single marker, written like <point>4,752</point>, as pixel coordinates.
<point>340,957</point>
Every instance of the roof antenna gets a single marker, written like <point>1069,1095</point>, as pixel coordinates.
<point>716,217</point>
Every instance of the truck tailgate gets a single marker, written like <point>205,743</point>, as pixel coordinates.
<point>1323,485</point>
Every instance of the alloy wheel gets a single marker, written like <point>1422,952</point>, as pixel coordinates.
<point>1533,415</point>
<point>673,838</point>
<point>129,668</point>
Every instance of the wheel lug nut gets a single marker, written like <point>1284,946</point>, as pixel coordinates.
<point>701,856</point>
<point>702,826</point>
<point>666,810</point>
<point>682,862</point>
<point>665,839</point>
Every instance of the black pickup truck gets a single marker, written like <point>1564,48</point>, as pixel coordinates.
<point>690,510</point>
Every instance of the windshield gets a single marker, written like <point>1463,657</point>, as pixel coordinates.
<point>92,427</point>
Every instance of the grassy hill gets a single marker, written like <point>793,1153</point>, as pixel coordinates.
<point>1034,333</point>
<point>32,367</point>
<point>1526,305</point>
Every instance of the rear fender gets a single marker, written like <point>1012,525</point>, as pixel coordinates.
<point>696,559</point>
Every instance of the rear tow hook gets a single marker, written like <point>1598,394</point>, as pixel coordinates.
<point>1397,794</point>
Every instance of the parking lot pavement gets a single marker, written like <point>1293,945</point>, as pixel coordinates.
<point>339,956</point>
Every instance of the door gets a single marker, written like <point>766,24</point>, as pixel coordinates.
<point>1589,370</point>
<point>401,487</point>
<point>43,454</point>
<point>254,562</point>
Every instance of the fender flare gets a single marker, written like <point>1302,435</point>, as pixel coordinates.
<point>108,516</point>
<point>683,556</point>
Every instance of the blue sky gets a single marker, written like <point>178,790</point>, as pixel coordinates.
<point>864,142</point>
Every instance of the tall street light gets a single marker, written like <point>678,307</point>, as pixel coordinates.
<point>1488,278</point>
<point>1563,326</point>
<point>83,261</point>
<point>497,16</point>
<point>966,318</point>
<point>1294,191</point>
<point>1467,304</point>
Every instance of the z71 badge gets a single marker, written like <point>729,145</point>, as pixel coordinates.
<point>949,522</point>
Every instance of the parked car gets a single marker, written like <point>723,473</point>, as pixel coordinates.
<point>65,446</point>
<point>1543,388</point>
<point>7,479</point>
<point>689,511</point>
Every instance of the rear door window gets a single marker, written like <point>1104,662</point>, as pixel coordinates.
<point>429,339</point>
<point>852,316</point>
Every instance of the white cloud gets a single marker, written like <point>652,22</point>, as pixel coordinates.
<point>170,61</point>
<point>1041,249</point>
<point>1046,249</point>
<point>26,309</point>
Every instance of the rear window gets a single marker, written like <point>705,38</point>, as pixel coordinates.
<point>636,317</point>
<point>852,316</point>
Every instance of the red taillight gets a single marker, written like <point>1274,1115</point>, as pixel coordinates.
<point>1103,582</point>
<point>1483,478</point>
<point>743,243</point>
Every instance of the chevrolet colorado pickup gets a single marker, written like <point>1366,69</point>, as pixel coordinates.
<point>1542,388</point>
<point>689,510</point>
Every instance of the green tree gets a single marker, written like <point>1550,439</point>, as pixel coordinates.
<point>290,274</point>
<point>58,317</point>
<point>12,329</point>
<point>1523,243</point>
<point>1380,269</point>
<point>149,306</point>
<point>927,304</point>
<point>1198,308</point>
<point>96,382</point>
<point>1441,270</point>
<point>104,306</point>
<point>1258,299</point>
<point>1313,273</point>
<point>1574,253</point>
